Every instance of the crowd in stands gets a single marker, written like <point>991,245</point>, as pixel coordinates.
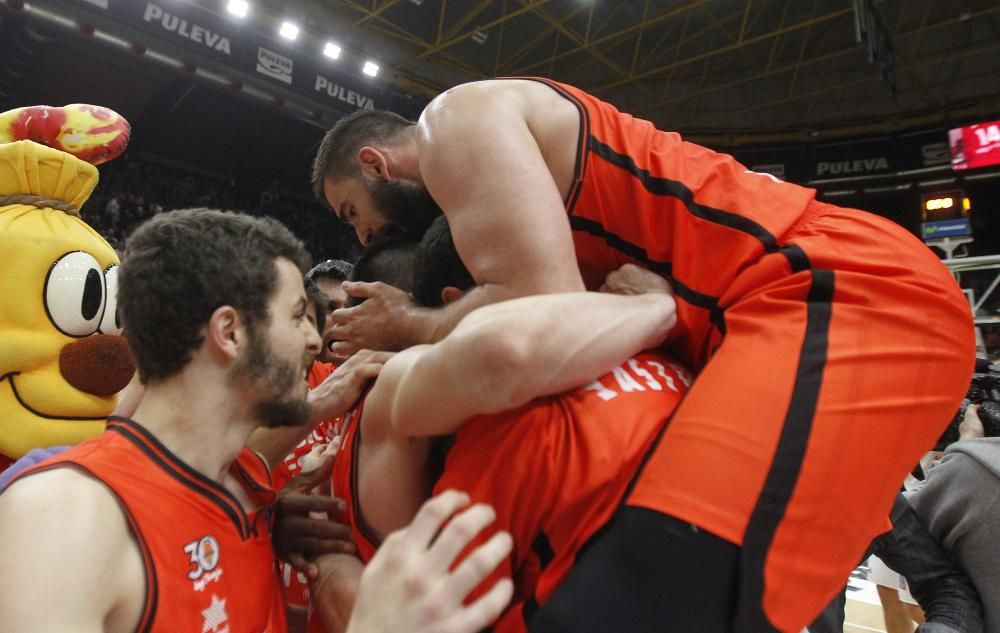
<point>132,190</point>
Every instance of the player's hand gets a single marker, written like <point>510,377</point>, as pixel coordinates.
<point>341,389</point>
<point>410,584</point>
<point>317,468</point>
<point>306,526</point>
<point>971,427</point>
<point>633,280</point>
<point>379,323</point>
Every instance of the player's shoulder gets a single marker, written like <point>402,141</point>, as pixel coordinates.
<point>509,97</point>
<point>52,499</point>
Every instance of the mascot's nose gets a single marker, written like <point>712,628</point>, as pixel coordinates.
<point>99,364</point>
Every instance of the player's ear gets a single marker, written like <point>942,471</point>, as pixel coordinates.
<point>225,333</point>
<point>374,163</point>
<point>451,293</point>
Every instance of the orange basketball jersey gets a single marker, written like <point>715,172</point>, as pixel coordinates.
<point>322,434</point>
<point>647,197</point>
<point>556,469</point>
<point>209,564</point>
<point>345,482</point>
<point>296,585</point>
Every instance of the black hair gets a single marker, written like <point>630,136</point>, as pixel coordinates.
<point>438,266</point>
<point>179,267</point>
<point>320,302</point>
<point>334,269</point>
<point>336,156</point>
<point>389,260</point>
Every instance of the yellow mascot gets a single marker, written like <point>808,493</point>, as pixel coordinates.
<point>62,359</point>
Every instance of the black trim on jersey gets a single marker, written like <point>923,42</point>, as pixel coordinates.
<point>543,549</point>
<point>580,161</point>
<point>364,528</point>
<point>787,464</point>
<point>209,489</point>
<point>676,189</point>
<point>797,258</point>
<point>267,471</point>
<point>637,253</point>
<point>151,596</point>
<point>718,318</point>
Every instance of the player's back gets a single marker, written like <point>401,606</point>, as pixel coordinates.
<point>645,196</point>
<point>556,469</point>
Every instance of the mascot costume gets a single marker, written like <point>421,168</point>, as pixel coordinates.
<point>62,358</point>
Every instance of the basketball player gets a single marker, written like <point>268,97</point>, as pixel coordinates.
<point>820,334</point>
<point>554,469</point>
<point>162,522</point>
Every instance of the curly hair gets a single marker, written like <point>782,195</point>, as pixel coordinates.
<point>179,267</point>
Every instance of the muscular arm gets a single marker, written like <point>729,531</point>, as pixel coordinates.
<point>504,355</point>
<point>70,564</point>
<point>505,210</point>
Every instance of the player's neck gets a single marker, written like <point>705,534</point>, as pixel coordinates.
<point>200,419</point>
<point>406,163</point>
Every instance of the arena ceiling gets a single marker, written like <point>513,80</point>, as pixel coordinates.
<point>707,66</point>
<point>724,72</point>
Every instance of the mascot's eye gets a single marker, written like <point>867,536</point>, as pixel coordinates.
<point>74,294</point>
<point>109,322</point>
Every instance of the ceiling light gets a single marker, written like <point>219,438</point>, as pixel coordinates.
<point>289,30</point>
<point>239,8</point>
<point>331,50</point>
<point>370,69</point>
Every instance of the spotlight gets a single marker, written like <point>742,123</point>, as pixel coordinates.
<point>289,30</point>
<point>239,8</point>
<point>331,50</point>
<point>370,69</point>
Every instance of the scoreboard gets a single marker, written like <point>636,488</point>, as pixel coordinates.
<point>975,145</point>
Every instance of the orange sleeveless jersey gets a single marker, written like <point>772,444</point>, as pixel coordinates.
<point>295,583</point>
<point>345,480</point>
<point>645,196</point>
<point>554,470</point>
<point>323,433</point>
<point>209,565</point>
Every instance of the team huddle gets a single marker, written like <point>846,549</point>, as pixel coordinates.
<point>589,377</point>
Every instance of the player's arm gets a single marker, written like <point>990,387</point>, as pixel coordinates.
<point>504,355</point>
<point>69,560</point>
<point>413,583</point>
<point>481,163</point>
<point>335,590</point>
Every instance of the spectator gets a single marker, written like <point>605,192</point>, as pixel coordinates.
<point>959,505</point>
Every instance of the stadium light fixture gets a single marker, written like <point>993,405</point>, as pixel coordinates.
<point>331,50</point>
<point>289,30</point>
<point>239,8</point>
<point>370,69</point>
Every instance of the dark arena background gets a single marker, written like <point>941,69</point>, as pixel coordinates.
<point>891,106</point>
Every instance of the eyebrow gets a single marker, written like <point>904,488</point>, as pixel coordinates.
<point>341,213</point>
